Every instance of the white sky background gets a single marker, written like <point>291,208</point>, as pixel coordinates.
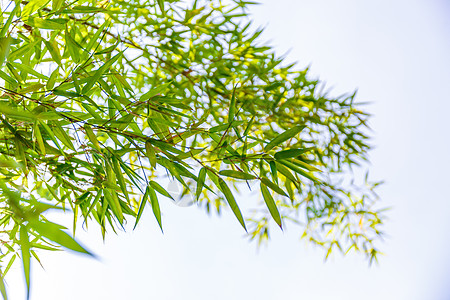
<point>397,53</point>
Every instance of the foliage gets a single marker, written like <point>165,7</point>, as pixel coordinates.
<point>102,100</point>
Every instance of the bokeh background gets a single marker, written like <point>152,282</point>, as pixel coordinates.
<point>397,54</point>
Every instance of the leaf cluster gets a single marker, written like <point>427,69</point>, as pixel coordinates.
<point>101,102</point>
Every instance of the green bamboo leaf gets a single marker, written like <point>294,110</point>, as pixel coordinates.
<point>5,43</point>
<point>157,187</point>
<point>230,199</point>
<point>304,165</point>
<point>27,69</point>
<point>115,160</point>
<point>32,6</point>
<point>237,174</point>
<point>150,151</point>
<point>72,46</point>
<point>155,205</point>
<point>10,263</point>
<point>22,51</point>
<point>288,153</point>
<point>266,181</point>
<point>271,205</point>
<point>2,285</point>
<point>50,24</point>
<point>16,114</point>
<point>57,4</point>
<point>273,170</point>
<point>25,249</point>
<point>53,49</point>
<point>155,91</point>
<point>93,40</point>
<point>288,134</point>
<point>232,109</point>
<point>249,125</point>
<point>200,181</point>
<point>92,137</point>
<point>225,126</point>
<point>299,170</point>
<point>113,201</point>
<point>83,10</point>
<point>40,141</point>
<point>141,208</point>
<point>54,233</point>
<point>6,26</point>
<point>62,135</point>
<point>99,73</point>
<point>285,171</point>
<point>8,79</point>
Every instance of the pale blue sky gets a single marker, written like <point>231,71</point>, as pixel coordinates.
<point>397,54</point>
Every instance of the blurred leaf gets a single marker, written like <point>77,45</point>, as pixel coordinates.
<point>25,248</point>
<point>53,232</point>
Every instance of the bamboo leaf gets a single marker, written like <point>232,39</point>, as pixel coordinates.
<point>141,208</point>
<point>27,69</point>
<point>237,174</point>
<point>266,181</point>
<point>54,233</point>
<point>155,205</point>
<point>2,285</point>
<point>271,205</point>
<point>232,109</point>
<point>25,249</point>
<point>92,137</point>
<point>157,187</point>
<point>32,6</point>
<point>289,153</point>
<point>230,198</point>
<point>40,141</point>
<point>150,151</point>
<point>288,134</point>
<point>50,24</point>
<point>200,181</point>
<point>299,170</point>
<point>154,92</point>
<point>62,135</point>
<point>99,73</point>
<point>5,43</point>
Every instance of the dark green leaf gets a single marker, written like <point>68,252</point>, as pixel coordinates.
<point>266,181</point>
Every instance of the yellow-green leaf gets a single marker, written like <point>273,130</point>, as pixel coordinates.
<point>99,73</point>
<point>25,249</point>
<point>237,174</point>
